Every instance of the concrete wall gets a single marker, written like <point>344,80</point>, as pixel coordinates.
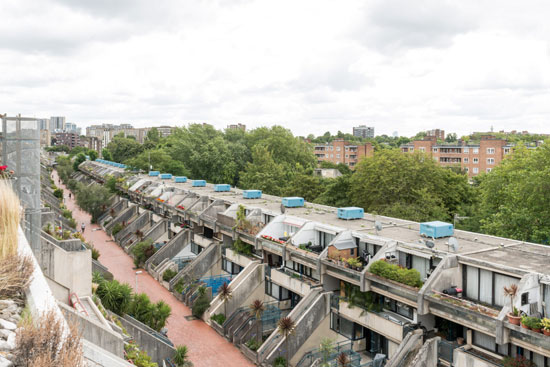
<point>411,344</point>
<point>124,216</point>
<point>138,223</point>
<point>427,355</point>
<point>95,333</point>
<point>168,251</point>
<point>72,270</point>
<point>157,349</point>
<point>463,359</point>
<point>296,285</point>
<point>157,230</point>
<point>200,265</point>
<point>60,292</point>
<point>97,266</point>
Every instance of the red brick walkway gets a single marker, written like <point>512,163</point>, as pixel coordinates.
<point>206,347</point>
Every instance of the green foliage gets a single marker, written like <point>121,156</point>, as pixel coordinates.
<point>279,362</point>
<point>152,314</point>
<point>67,213</point>
<point>518,361</point>
<point>92,154</point>
<point>153,135</point>
<point>122,149</point>
<point>115,296</point>
<point>253,344</point>
<point>263,173</point>
<point>178,287</point>
<point>408,186</point>
<point>58,193</point>
<point>201,304</point>
<point>117,228</point>
<point>94,199</point>
<point>110,183</point>
<point>219,318</point>
<point>78,160</point>
<point>138,356</point>
<point>366,300</point>
<point>64,168</point>
<point>142,251</point>
<point>241,247</point>
<point>160,160</point>
<point>326,348</point>
<point>514,197</point>
<point>336,192</point>
<point>72,184</point>
<point>77,150</point>
<point>181,356</point>
<point>343,168</point>
<point>58,148</point>
<point>168,275</point>
<point>95,253</point>
<point>409,277</point>
<point>306,186</point>
<point>97,277</point>
<point>106,154</point>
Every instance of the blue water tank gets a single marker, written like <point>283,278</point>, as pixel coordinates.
<point>180,179</point>
<point>351,213</point>
<point>165,176</point>
<point>293,202</point>
<point>199,183</point>
<point>154,173</point>
<point>222,187</point>
<point>436,229</point>
<point>252,194</point>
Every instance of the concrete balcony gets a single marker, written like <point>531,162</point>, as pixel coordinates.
<point>474,357</point>
<point>341,272</point>
<point>529,339</point>
<point>226,223</point>
<point>305,257</point>
<point>292,281</point>
<point>384,323</point>
<point>236,258</point>
<point>464,312</point>
<point>389,288</point>
<point>271,246</point>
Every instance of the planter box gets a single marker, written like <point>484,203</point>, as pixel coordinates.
<point>217,327</point>
<point>250,354</point>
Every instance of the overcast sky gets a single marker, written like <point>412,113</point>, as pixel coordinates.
<point>309,65</point>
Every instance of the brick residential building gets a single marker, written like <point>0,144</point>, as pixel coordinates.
<point>69,139</point>
<point>472,158</point>
<point>341,151</point>
<point>438,133</point>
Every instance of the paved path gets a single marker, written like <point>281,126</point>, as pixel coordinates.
<point>206,347</point>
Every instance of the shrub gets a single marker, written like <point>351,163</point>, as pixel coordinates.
<point>279,362</point>
<point>168,275</point>
<point>115,296</point>
<point>142,251</point>
<point>201,304</point>
<point>15,274</point>
<point>219,318</point>
<point>178,288</point>
<point>10,212</point>
<point>253,344</point>
<point>180,357</point>
<point>116,228</point>
<point>518,361</point>
<point>242,248</point>
<point>138,356</point>
<point>44,343</point>
<point>67,213</point>
<point>58,193</point>
<point>72,223</point>
<point>95,253</point>
<point>409,277</point>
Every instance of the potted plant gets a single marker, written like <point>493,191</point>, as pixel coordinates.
<point>545,326</point>
<point>525,321</point>
<point>535,324</point>
<point>511,291</point>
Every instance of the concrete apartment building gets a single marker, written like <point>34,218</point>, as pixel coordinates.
<point>438,133</point>
<point>69,139</point>
<point>237,126</point>
<point>472,158</point>
<point>106,132</point>
<point>45,138</point>
<point>297,265</point>
<point>364,131</point>
<point>341,151</point>
<point>57,124</point>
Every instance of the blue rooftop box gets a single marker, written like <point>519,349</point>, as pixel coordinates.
<point>154,173</point>
<point>293,202</point>
<point>252,194</point>
<point>165,176</point>
<point>199,183</point>
<point>436,229</point>
<point>180,179</point>
<point>351,213</point>
<point>222,187</point>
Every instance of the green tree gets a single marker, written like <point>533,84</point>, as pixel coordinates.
<point>115,296</point>
<point>92,154</point>
<point>110,183</point>
<point>514,196</point>
<point>153,135</point>
<point>106,154</point>
<point>122,148</point>
<point>78,160</point>
<point>451,138</point>
<point>181,357</point>
<point>160,160</point>
<point>336,192</point>
<point>94,199</point>
<point>409,186</point>
<point>307,186</point>
<point>263,173</point>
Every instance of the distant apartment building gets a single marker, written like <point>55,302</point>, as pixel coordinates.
<point>45,138</point>
<point>92,142</point>
<point>472,158</point>
<point>106,132</point>
<point>341,151</point>
<point>236,127</point>
<point>44,124</point>
<point>164,131</point>
<point>57,124</point>
<point>364,131</point>
<point>72,128</point>
<point>69,139</point>
<point>438,133</point>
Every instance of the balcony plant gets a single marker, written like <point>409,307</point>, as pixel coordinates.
<point>535,324</point>
<point>525,321</point>
<point>513,316</point>
<point>545,326</point>
<point>518,361</point>
<point>354,262</point>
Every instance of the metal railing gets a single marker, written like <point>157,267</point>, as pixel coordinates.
<point>327,356</point>
<point>445,350</point>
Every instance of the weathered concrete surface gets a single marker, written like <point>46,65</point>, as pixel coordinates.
<point>168,251</point>
<point>200,265</point>
<point>427,355</point>
<point>411,342</point>
<point>124,216</point>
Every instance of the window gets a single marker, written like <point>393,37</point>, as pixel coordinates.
<point>466,150</point>
<point>337,149</point>
<point>466,169</point>
<point>331,147</point>
<point>434,150</point>
<point>476,160</point>
<point>475,170</point>
<point>275,291</point>
<point>476,150</point>
<point>490,161</point>
<point>347,148</point>
<point>345,327</point>
<point>412,149</point>
<point>326,155</point>
<point>506,150</point>
<point>486,286</point>
<point>489,170</point>
<point>465,160</point>
<point>490,150</point>
<point>332,156</point>
<point>422,149</point>
<point>347,155</point>
<point>337,155</point>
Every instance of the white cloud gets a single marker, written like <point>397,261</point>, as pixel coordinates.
<point>310,65</point>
